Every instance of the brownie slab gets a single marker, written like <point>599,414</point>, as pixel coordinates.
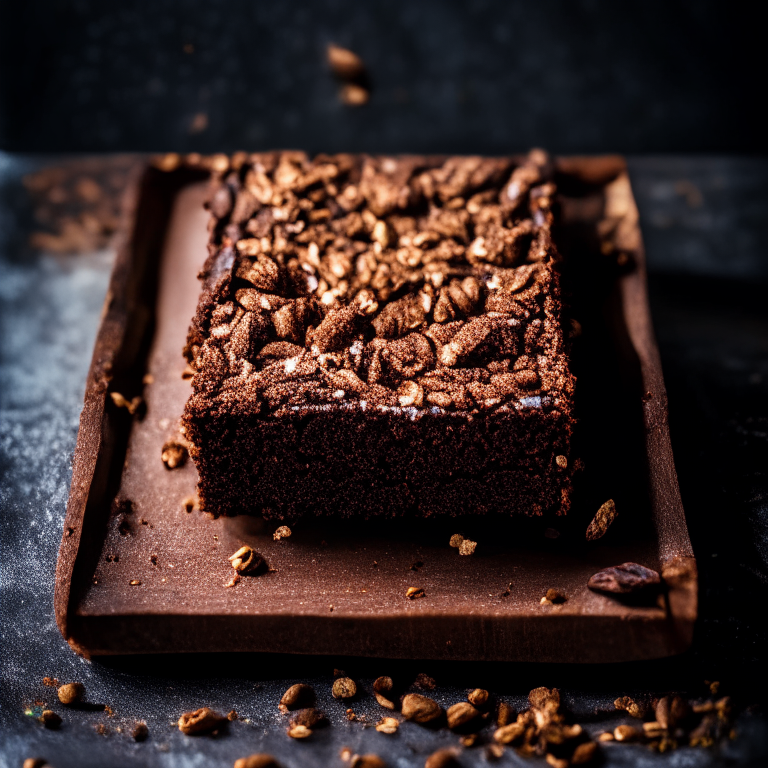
<point>379,337</point>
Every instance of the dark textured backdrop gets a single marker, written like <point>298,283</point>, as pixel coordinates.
<point>486,76</point>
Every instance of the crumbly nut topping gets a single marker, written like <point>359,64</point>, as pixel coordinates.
<point>405,282</point>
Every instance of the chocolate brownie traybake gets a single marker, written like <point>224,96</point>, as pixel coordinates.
<point>381,336</point>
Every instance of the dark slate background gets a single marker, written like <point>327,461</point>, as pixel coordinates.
<point>448,76</point>
<point>657,80</point>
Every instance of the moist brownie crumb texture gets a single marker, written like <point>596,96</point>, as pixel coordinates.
<point>381,336</point>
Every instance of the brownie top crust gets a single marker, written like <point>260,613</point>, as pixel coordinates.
<point>406,282</point>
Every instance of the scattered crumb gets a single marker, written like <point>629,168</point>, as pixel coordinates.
<point>135,582</point>
<point>414,592</point>
<point>467,547</point>
<point>121,402</point>
<point>140,732</point>
<point>602,521</point>
<point>561,461</point>
<point>50,719</point>
<point>174,454</point>
<point>553,597</point>
<point>299,732</point>
<point>148,379</point>
<point>353,95</point>
<point>233,582</point>
<point>388,725</point>
<point>456,540</point>
<point>345,63</point>
<point>71,693</point>
<point>425,681</point>
<point>51,682</point>
<point>188,372</point>
<point>188,504</point>
<point>283,532</point>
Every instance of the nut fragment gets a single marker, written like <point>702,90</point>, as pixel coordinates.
<point>671,711</point>
<point>509,733</point>
<point>247,562</point>
<point>584,753</point>
<point>630,706</point>
<point>344,688</point>
<point>202,720</point>
<point>174,454</point>
<point>425,681</point>
<point>624,579</point>
<point>505,714</point>
<point>259,760</point>
<point>354,95</point>
<point>132,406</point>
<point>412,593</point>
<point>467,547</point>
<point>478,697</point>
<point>140,732</point>
<point>456,540</point>
<point>602,520</point>
<point>382,690</point>
<point>50,719</point>
<point>297,696</point>
<point>283,532</point>
<point>627,733</point>
<point>299,732</point>
<point>309,717</point>
<point>553,597</point>
<point>460,714</point>
<point>345,63</point>
<point>561,461</point>
<point>443,758</point>
<point>71,693</point>
<point>420,709</point>
<point>388,725</point>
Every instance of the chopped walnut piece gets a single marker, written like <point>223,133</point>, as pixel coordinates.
<point>354,95</point>
<point>553,597</point>
<point>345,63</point>
<point>627,733</point>
<point>174,454</point>
<point>443,758</point>
<point>388,725</point>
<point>467,547</point>
<point>50,719</point>
<point>460,714</point>
<point>283,532</point>
<point>299,732</point>
<point>602,521</point>
<point>132,406</point>
<point>479,697</point>
<point>297,696</point>
<point>71,693</point>
<point>420,709</point>
<point>202,720</point>
<point>344,688</point>
<point>247,562</point>
<point>631,707</point>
